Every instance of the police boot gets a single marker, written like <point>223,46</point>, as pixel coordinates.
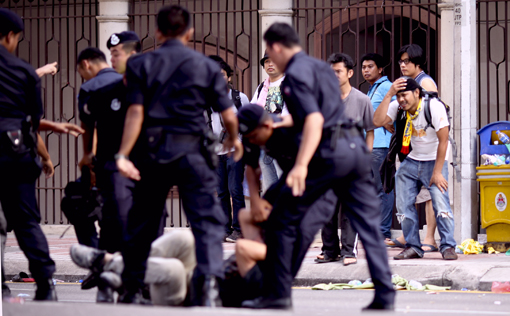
<point>45,290</point>
<point>133,297</point>
<point>6,291</point>
<point>211,292</point>
<point>104,293</point>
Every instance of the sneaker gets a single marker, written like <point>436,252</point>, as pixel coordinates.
<point>87,257</point>
<point>234,236</point>
<point>449,254</point>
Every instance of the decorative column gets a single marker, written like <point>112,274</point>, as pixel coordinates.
<point>463,37</point>
<point>273,11</point>
<point>113,18</point>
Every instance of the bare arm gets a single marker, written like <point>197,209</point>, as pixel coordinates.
<point>132,129</point>
<point>42,151</point>
<point>260,208</point>
<point>63,127</point>
<point>88,146</point>
<point>312,133</point>
<point>428,85</point>
<point>437,176</point>
<point>381,117</point>
<point>230,121</point>
<point>49,69</point>
<point>370,140</point>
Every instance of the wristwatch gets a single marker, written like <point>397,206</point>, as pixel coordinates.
<point>120,156</point>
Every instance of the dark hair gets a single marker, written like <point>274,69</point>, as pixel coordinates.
<point>91,54</point>
<point>376,58</point>
<point>415,53</point>
<point>130,46</point>
<point>281,33</point>
<point>223,65</point>
<point>173,21</point>
<point>341,58</point>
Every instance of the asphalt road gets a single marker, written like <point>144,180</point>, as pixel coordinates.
<point>73,301</point>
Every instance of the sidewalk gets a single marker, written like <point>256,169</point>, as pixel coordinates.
<point>473,272</point>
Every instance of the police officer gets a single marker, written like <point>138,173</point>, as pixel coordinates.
<point>20,113</point>
<point>331,155</point>
<point>122,46</point>
<point>169,90</point>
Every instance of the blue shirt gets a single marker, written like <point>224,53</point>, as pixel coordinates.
<point>376,94</point>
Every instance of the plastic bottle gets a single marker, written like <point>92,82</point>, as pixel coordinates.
<point>503,137</point>
<point>417,285</point>
<point>500,287</point>
<point>354,282</point>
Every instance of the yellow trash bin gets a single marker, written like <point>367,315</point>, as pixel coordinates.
<point>494,195</point>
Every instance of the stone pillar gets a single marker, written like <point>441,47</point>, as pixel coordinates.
<point>463,37</point>
<point>113,18</point>
<point>273,11</point>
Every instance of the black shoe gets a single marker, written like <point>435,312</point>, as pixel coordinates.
<point>6,291</point>
<point>87,257</point>
<point>378,307</point>
<point>104,294</point>
<point>133,298</point>
<point>90,281</point>
<point>268,303</point>
<point>234,236</point>
<point>45,291</point>
<point>408,253</point>
<point>211,292</point>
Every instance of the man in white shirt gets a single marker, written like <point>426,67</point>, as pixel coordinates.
<point>269,96</point>
<point>230,173</point>
<point>425,165</point>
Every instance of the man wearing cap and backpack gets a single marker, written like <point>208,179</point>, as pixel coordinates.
<point>230,173</point>
<point>269,96</point>
<point>425,165</point>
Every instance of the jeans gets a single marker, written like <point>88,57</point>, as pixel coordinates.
<point>230,184</point>
<point>387,200</point>
<point>410,177</point>
<point>271,172</point>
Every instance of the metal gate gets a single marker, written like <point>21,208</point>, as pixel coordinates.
<point>57,31</point>
<point>358,27</point>
<point>493,21</point>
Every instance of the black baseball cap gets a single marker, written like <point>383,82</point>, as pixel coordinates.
<point>11,22</point>
<point>123,37</point>
<point>411,85</point>
<point>263,60</point>
<point>250,117</point>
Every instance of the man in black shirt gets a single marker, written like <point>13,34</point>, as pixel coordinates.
<point>168,91</point>
<point>332,155</point>
<point>20,118</point>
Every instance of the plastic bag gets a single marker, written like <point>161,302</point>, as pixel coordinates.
<point>471,247</point>
<point>500,287</point>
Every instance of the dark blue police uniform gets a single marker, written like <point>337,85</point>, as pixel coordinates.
<point>175,85</point>
<point>101,104</point>
<point>342,162</point>
<point>20,98</point>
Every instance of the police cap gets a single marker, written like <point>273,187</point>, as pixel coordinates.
<point>123,37</point>
<point>10,22</point>
<point>250,117</point>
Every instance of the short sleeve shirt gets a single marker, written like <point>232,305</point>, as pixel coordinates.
<point>101,104</point>
<point>274,96</point>
<point>20,92</point>
<point>376,93</point>
<point>175,85</point>
<point>424,142</point>
<point>359,109</point>
<point>311,86</point>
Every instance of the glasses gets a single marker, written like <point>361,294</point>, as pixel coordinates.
<point>404,61</point>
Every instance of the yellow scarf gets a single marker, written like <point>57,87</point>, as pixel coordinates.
<point>409,129</point>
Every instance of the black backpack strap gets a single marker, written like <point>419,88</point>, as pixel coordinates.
<point>426,111</point>
<point>259,89</point>
<point>236,98</point>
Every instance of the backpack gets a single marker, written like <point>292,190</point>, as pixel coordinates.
<point>236,98</point>
<point>427,96</point>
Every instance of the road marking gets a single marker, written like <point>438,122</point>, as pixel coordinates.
<point>446,311</point>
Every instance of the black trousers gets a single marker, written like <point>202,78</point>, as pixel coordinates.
<point>117,192</point>
<point>330,240</point>
<point>17,195</point>
<point>197,186</point>
<point>346,171</point>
